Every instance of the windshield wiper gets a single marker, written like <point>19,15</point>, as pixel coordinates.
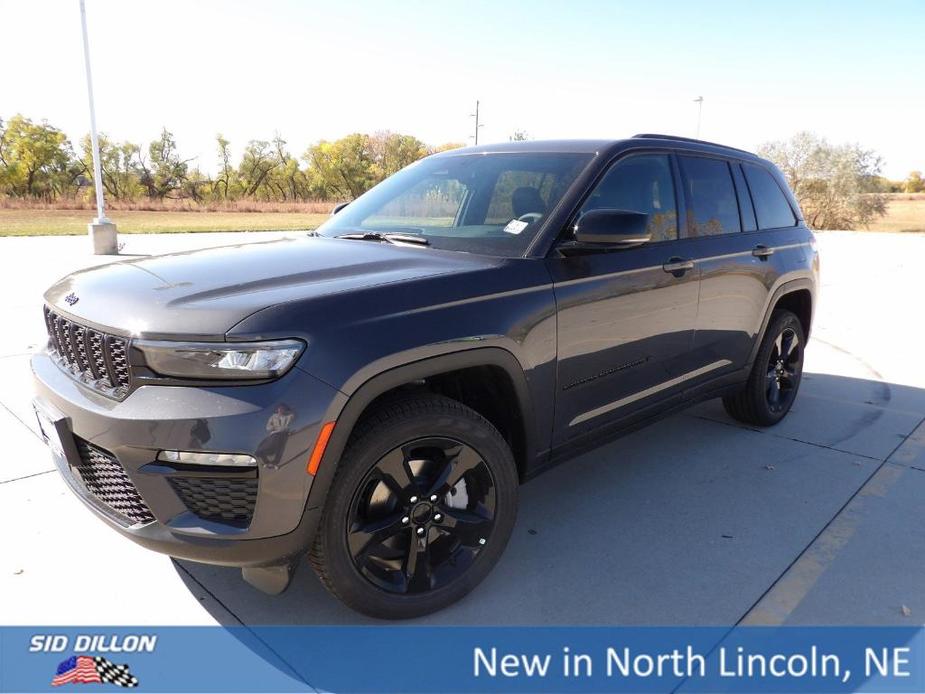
<point>387,238</point>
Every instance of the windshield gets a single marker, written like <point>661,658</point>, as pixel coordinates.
<point>481,203</point>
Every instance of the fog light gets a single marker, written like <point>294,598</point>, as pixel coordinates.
<point>226,459</point>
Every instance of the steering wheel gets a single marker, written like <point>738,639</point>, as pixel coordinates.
<point>530,217</point>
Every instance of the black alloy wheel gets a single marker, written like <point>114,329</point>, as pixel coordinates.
<point>772,385</point>
<point>420,509</point>
<point>784,367</point>
<point>422,515</point>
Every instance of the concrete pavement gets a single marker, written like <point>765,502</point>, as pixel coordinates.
<point>695,520</point>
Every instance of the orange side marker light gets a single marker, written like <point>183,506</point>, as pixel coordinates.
<point>321,443</point>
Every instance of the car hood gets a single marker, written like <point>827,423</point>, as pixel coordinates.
<point>203,294</point>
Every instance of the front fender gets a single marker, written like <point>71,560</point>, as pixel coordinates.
<point>346,409</point>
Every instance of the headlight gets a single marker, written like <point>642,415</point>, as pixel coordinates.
<point>220,360</point>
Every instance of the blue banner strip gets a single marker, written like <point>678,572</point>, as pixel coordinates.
<point>464,659</point>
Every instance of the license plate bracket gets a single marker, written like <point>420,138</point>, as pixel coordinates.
<point>54,430</point>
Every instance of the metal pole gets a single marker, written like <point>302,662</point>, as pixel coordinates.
<point>94,142</point>
<point>476,121</point>
<point>699,101</point>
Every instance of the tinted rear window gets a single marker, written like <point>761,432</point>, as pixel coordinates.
<point>771,207</point>
<point>711,197</point>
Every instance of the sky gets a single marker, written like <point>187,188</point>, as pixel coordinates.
<point>849,71</point>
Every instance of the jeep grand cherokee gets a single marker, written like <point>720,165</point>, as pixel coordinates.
<point>372,394</point>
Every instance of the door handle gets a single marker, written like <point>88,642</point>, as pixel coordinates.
<point>763,252</point>
<point>678,266</point>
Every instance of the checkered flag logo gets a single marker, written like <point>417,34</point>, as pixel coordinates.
<point>110,673</point>
<point>84,669</point>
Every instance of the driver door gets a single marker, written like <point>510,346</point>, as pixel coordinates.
<point>626,317</point>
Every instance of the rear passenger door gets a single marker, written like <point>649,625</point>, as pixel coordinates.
<point>736,239</point>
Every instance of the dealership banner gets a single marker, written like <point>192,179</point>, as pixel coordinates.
<point>400,658</point>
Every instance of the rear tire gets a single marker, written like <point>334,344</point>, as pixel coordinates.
<point>420,510</point>
<point>775,377</point>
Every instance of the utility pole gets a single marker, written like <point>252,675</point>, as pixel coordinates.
<point>477,124</point>
<point>101,230</point>
<point>699,102</point>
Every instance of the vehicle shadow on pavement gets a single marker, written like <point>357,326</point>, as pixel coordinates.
<point>689,521</point>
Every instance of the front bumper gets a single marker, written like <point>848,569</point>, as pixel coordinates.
<point>236,419</point>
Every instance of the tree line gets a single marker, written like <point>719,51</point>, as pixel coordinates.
<point>838,186</point>
<point>37,161</point>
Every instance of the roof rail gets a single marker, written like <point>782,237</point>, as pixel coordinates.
<point>657,136</point>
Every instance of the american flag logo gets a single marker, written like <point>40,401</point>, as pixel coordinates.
<point>85,669</point>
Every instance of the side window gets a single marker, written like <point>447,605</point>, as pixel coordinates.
<point>712,207</point>
<point>771,207</point>
<point>641,183</point>
<point>745,200</point>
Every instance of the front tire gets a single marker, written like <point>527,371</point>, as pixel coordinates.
<point>775,377</point>
<point>421,508</point>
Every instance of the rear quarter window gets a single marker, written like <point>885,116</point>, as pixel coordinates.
<point>771,206</point>
<point>745,200</point>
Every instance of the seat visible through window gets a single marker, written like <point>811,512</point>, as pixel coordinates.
<point>525,200</point>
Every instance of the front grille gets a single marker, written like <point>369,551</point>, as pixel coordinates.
<point>225,500</point>
<point>98,359</point>
<point>105,478</point>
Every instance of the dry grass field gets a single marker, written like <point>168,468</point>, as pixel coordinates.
<point>71,222</point>
<point>905,212</point>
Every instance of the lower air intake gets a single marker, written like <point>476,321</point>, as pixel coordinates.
<point>106,479</point>
<point>222,500</point>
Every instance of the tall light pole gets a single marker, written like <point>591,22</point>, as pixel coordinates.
<point>101,230</point>
<point>698,101</point>
<point>477,124</point>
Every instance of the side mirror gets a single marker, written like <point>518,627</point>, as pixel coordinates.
<point>338,207</point>
<point>612,228</point>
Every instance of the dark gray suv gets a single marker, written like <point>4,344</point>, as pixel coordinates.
<point>372,395</point>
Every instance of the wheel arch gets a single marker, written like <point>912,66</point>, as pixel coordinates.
<point>797,296</point>
<point>349,410</point>
<point>799,302</point>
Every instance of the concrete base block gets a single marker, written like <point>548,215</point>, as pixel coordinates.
<point>104,238</point>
